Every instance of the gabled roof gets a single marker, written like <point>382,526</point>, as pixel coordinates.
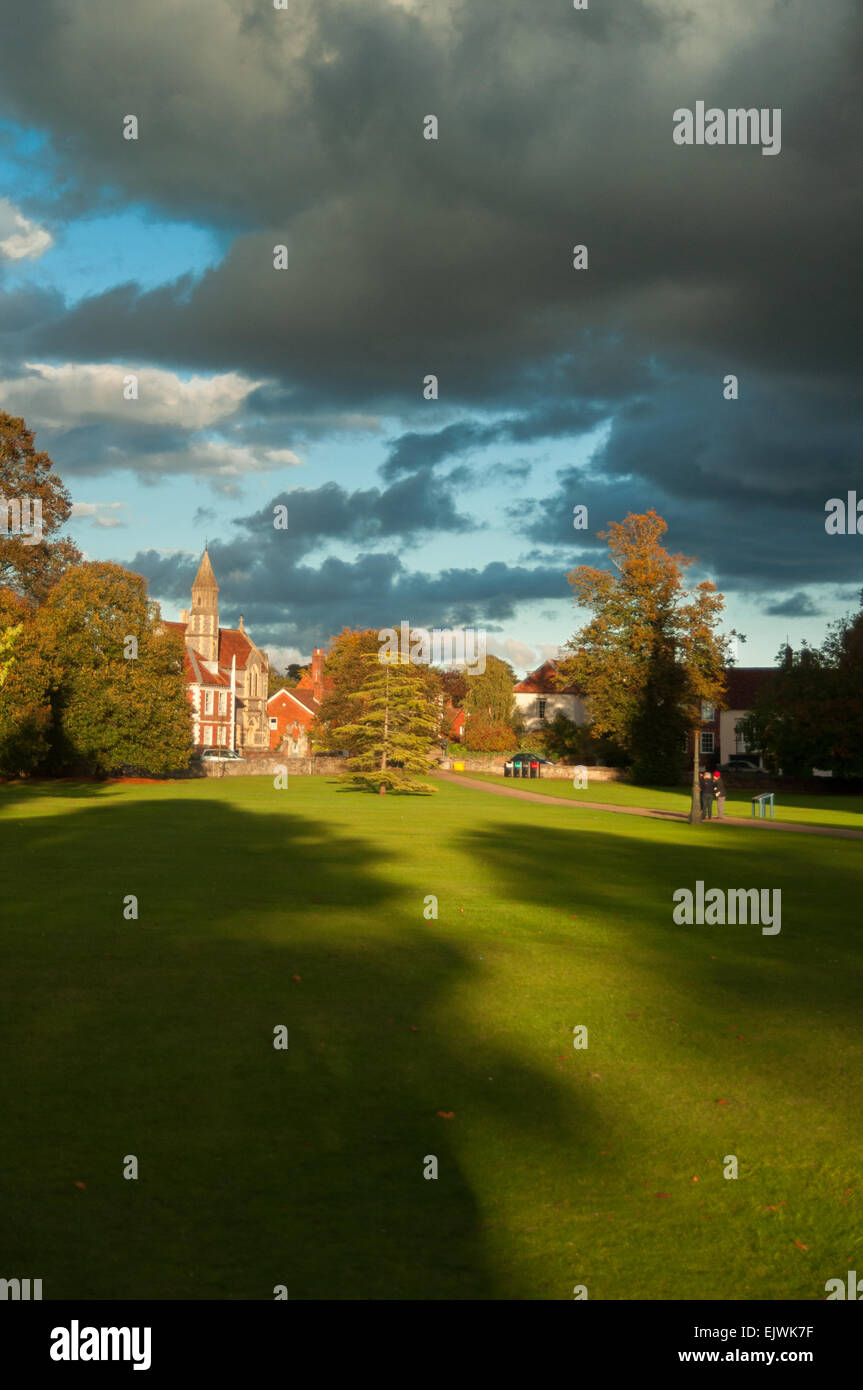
<point>232,643</point>
<point>303,698</point>
<point>541,682</point>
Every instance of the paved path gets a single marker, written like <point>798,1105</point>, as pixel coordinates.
<point>580,805</point>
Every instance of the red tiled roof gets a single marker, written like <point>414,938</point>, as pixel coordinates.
<point>541,682</point>
<point>233,643</point>
<point>303,698</point>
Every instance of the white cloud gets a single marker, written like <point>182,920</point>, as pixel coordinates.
<point>20,238</point>
<point>99,513</point>
<point>75,392</point>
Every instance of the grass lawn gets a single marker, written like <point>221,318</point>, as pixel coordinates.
<point>557,1166</point>
<point>844,811</point>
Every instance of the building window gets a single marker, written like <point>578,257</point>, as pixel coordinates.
<point>740,744</point>
<point>208,702</point>
<point>542,705</point>
<point>274,723</point>
<point>708,713</point>
<point>208,735</point>
<point>707,743</point>
<point>223,702</point>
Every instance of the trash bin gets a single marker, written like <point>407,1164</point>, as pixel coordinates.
<point>507,769</point>
<point>458,767</point>
<point>534,769</point>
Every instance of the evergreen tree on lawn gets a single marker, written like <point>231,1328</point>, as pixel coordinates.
<point>396,721</point>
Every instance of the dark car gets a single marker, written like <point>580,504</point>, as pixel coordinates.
<point>741,765</point>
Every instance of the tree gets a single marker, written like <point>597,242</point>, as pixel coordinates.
<point>289,680</point>
<point>703,656</point>
<point>577,744</point>
<point>810,713</point>
<point>648,650</point>
<point>490,692</point>
<point>484,735</point>
<point>118,692</point>
<point>28,480</point>
<point>346,667</point>
<point>397,718</point>
<point>25,700</point>
<point>454,684</point>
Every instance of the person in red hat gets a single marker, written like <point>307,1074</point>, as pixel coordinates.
<point>718,793</point>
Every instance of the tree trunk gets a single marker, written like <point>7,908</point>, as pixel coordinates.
<point>695,808</point>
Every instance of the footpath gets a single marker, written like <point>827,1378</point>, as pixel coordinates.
<point>835,830</point>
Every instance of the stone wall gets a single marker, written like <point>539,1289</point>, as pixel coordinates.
<point>495,762</point>
<point>271,766</point>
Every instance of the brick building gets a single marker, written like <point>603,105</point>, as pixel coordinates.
<point>226,674</point>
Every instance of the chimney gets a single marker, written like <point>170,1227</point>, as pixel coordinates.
<point>184,615</point>
<point>318,673</point>
<point>240,627</point>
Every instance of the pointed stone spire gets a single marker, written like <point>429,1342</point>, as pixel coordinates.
<point>202,629</point>
<point>205,578</point>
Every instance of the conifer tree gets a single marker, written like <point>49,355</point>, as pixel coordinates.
<point>398,717</point>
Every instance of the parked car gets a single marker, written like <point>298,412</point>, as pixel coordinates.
<point>221,755</point>
<point>736,764</point>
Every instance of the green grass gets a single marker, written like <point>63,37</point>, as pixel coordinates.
<point>304,1167</point>
<point>796,807</point>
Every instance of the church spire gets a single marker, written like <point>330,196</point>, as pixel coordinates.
<point>202,629</point>
<point>205,578</point>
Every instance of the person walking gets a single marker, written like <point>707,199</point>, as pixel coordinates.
<point>719,793</point>
<point>706,787</point>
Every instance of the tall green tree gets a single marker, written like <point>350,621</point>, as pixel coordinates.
<point>117,686</point>
<point>810,713</point>
<point>25,688</point>
<point>397,718</point>
<point>649,652</point>
<point>346,668</point>
<point>489,704</point>
<point>27,475</point>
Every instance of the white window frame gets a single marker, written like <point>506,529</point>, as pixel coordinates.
<point>208,702</point>
<point>208,735</point>
<point>708,712</point>
<point>223,702</point>
<point>707,741</point>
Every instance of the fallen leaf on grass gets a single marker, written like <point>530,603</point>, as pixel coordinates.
<point>800,1245</point>
<point>447,1114</point>
<point>80,1184</point>
<point>297,979</point>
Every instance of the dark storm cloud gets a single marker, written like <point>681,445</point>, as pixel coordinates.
<point>454,257</point>
<point>420,503</point>
<point>410,256</point>
<point>286,603</point>
<point>798,605</point>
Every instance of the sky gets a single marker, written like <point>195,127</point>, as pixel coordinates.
<point>604,386</point>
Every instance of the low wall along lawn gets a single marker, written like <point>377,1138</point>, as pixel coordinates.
<point>561,770</point>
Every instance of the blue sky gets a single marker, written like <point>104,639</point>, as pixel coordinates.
<point>155,257</point>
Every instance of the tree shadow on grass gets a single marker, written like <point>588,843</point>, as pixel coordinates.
<point>154,1038</point>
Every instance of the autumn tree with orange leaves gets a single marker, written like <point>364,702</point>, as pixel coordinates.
<point>650,652</point>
